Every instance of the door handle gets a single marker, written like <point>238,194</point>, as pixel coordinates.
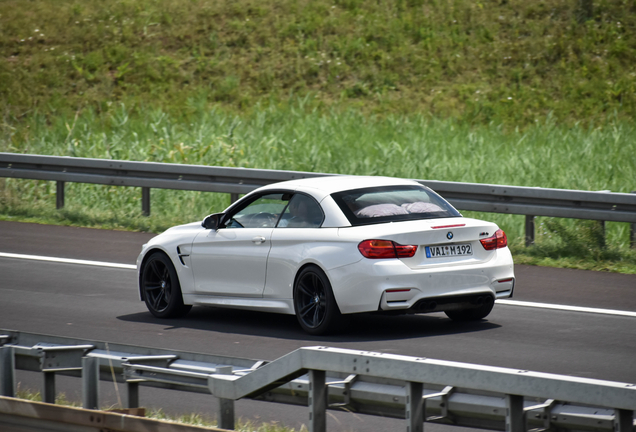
<point>258,240</point>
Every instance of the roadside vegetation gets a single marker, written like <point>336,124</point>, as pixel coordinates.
<point>158,414</point>
<point>538,93</point>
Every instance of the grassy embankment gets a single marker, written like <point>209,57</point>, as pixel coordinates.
<point>158,414</point>
<point>521,93</point>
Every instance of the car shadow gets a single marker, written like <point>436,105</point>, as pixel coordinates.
<point>356,328</point>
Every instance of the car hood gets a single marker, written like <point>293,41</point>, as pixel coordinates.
<point>182,234</point>
<point>196,226</point>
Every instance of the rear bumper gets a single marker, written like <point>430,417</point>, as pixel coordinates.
<point>390,285</point>
<point>440,304</point>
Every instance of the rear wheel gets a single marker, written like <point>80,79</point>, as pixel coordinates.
<point>474,313</point>
<point>161,289</point>
<point>315,305</point>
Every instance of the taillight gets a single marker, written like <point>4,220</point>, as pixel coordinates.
<point>377,249</point>
<point>496,241</point>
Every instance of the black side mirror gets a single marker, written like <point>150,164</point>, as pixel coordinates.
<point>213,221</point>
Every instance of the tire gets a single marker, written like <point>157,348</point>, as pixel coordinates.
<point>472,314</point>
<point>161,289</point>
<point>316,308</point>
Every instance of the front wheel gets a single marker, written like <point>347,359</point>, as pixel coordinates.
<point>161,289</point>
<point>472,314</point>
<point>315,305</point>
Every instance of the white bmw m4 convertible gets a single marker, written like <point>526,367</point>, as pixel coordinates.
<point>326,247</point>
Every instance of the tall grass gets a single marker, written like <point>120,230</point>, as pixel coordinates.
<point>193,419</point>
<point>292,138</point>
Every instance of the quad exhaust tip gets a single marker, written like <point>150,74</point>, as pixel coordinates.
<point>428,305</point>
<point>483,300</point>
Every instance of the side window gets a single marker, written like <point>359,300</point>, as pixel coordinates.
<point>302,212</point>
<point>260,213</point>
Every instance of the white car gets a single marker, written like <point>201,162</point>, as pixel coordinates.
<point>325,247</point>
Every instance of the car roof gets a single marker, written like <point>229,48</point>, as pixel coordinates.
<point>337,183</point>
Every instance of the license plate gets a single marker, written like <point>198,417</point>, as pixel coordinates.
<point>448,251</point>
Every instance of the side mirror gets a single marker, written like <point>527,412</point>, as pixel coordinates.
<point>213,221</point>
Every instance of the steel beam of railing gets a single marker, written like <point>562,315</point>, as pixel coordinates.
<point>142,174</point>
<point>416,390</point>
<point>535,201</point>
<point>529,201</point>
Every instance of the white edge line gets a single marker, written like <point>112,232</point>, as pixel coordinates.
<point>68,261</point>
<point>566,308</point>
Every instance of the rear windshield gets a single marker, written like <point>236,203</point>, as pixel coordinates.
<point>392,204</point>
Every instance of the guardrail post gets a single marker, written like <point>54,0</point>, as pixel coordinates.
<point>90,382</point>
<point>623,420</point>
<point>48,390</point>
<point>226,406</point>
<point>602,227</point>
<point>317,401</point>
<point>145,201</point>
<point>7,371</point>
<point>234,198</point>
<point>415,406</point>
<point>632,232</point>
<point>514,414</point>
<point>132,390</point>
<point>529,230</point>
<point>59,359</point>
<point>59,195</point>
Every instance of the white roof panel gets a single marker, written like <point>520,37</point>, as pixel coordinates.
<point>332,184</point>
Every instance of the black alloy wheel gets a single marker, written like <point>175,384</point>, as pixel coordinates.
<point>315,305</point>
<point>161,289</point>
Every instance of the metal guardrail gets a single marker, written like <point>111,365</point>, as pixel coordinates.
<point>415,390</point>
<point>529,201</point>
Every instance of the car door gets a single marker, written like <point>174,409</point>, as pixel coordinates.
<point>232,261</point>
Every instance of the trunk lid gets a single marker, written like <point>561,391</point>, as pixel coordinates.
<point>441,242</point>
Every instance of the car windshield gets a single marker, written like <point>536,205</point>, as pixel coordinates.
<point>392,204</point>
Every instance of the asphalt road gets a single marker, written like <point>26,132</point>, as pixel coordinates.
<point>101,303</point>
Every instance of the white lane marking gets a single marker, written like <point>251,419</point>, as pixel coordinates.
<point>567,308</point>
<point>68,261</point>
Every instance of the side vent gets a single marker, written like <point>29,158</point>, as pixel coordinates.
<point>181,255</point>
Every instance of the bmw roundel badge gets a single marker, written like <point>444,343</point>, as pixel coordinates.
<point>449,235</point>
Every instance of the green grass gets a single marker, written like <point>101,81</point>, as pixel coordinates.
<point>576,245</point>
<point>292,138</point>
<point>510,62</point>
<point>193,419</point>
